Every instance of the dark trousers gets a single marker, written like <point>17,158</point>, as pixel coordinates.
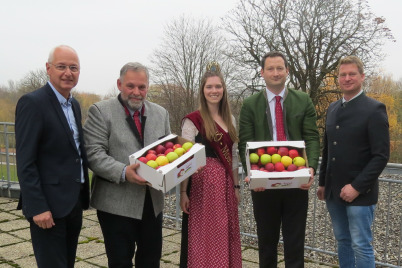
<point>273,208</point>
<point>184,241</point>
<point>57,246</point>
<point>123,234</point>
<point>184,233</point>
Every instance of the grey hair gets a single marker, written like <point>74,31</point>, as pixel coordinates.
<point>51,54</point>
<point>133,66</point>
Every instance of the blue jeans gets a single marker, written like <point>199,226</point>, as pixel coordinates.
<point>352,230</point>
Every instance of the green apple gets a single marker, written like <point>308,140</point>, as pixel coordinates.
<point>172,156</point>
<point>179,151</point>
<point>152,164</point>
<point>187,145</point>
<point>162,160</point>
<point>275,158</point>
<point>265,158</point>
<point>299,161</point>
<point>286,161</point>
<point>254,158</point>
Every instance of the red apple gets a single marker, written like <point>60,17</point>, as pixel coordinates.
<point>279,167</point>
<point>177,145</point>
<point>160,149</point>
<point>272,150</point>
<point>143,159</point>
<point>282,151</point>
<point>168,150</point>
<point>152,152</point>
<point>262,169</point>
<point>301,167</point>
<point>150,156</point>
<point>254,167</point>
<point>293,153</point>
<point>270,167</point>
<point>292,167</point>
<point>169,144</point>
<point>260,151</point>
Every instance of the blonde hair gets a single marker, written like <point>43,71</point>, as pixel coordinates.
<point>352,60</point>
<point>224,109</point>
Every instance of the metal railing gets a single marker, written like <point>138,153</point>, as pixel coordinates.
<point>8,168</point>
<point>320,244</point>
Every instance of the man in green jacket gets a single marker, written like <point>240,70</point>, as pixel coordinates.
<point>276,207</point>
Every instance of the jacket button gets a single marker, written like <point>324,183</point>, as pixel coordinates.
<point>337,127</point>
<point>77,180</point>
<point>333,159</point>
<point>334,143</point>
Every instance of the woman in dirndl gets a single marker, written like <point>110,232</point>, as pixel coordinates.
<point>210,198</point>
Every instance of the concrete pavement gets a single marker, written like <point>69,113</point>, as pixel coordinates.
<point>16,249</point>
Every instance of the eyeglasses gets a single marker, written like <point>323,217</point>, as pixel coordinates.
<point>61,67</point>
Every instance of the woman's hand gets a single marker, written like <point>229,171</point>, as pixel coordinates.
<point>237,195</point>
<point>184,202</point>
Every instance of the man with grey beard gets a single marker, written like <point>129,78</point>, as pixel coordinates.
<point>129,211</point>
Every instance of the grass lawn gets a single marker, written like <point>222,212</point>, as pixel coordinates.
<point>13,173</point>
<point>3,172</point>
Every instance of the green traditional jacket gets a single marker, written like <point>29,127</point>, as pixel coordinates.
<point>299,115</point>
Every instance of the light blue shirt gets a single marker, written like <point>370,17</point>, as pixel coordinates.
<point>271,102</point>
<point>67,108</point>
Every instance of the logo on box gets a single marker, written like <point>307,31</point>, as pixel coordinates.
<point>280,184</point>
<point>185,168</point>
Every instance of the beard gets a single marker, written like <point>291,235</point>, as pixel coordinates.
<point>134,103</point>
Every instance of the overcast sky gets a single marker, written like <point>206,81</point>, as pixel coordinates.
<point>109,33</point>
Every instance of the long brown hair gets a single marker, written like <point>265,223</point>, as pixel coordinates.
<point>224,109</point>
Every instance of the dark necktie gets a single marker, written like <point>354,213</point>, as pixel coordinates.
<point>280,129</point>
<point>136,117</point>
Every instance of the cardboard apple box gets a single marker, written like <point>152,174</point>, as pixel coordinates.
<point>277,180</point>
<point>168,176</point>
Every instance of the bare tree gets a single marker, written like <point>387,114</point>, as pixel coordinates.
<point>313,34</point>
<point>33,80</point>
<point>179,62</point>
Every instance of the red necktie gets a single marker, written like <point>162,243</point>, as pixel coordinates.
<point>280,129</point>
<point>136,117</point>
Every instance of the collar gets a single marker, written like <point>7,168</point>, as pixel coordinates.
<point>271,96</point>
<point>60,97</point>
<point>357,95</point>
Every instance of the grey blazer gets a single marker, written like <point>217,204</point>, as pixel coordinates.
<point>109,142</point>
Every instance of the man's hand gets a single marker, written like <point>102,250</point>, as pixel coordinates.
<point>260,189</point>
<point>184,202</point>
<point>44,220</point>
<point>321,193</point>
<point>348,193</point>
<point>133,177</point>
<point>310,181</point>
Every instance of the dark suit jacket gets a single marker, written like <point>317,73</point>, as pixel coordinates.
<point>356,148</point>
<point>48,162</point>
<point>299,120</point>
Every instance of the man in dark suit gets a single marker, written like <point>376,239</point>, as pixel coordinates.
<point>356,150</point>
<point>52,163</point>
<point>276,207</point>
